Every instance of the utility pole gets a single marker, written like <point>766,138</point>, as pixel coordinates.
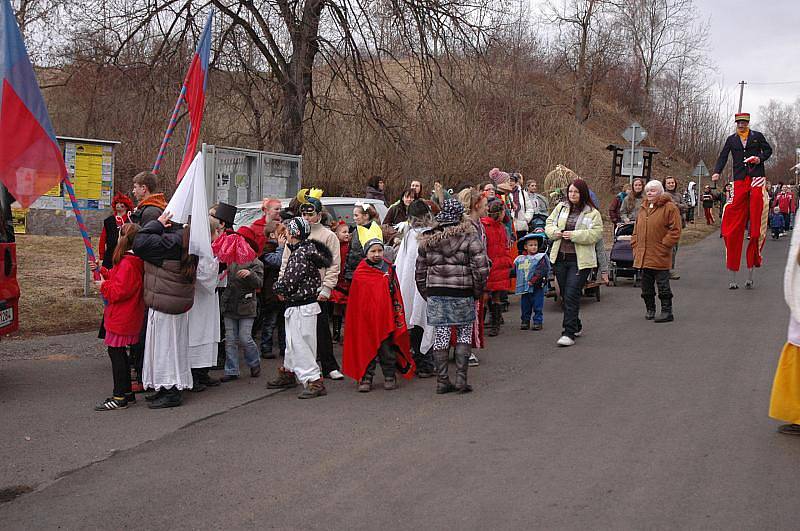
<point>741,93</point>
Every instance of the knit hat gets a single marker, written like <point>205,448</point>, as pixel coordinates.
<point>250,236</point>
<point>452,212</point>
<point>741,116</point>
<point>226,213</point>
<point>298,227</point>
<point>119,197</point>
<point>371,243</point>
<point>498,177</point>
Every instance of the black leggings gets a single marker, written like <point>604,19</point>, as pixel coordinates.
<point>121,370</point>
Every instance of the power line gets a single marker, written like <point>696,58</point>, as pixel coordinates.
<point>773,82</point>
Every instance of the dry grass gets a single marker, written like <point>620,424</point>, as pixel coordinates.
<point>50,275</point>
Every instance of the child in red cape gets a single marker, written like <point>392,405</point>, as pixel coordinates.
<point>376,323</point>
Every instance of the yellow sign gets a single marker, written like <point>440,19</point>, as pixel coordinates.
<point>19,217</point>
<point>88,179</point>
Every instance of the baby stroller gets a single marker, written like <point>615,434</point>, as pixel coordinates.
<point>622,255</point>
<point>538,222</point>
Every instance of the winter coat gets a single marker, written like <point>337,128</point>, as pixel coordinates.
<point>124,313</point>
<point>757,146</point>
<point>300,281</point>
<point>451,261</point>
<point>238,301</point>
<point>374,193</point>
<point>355,254</point>
<point>657,230</point>
<point>630,208</point>
<point>614,209</point>
<point>497,251</point>
<point>165,289</point>
<point>271,260</point>
<point>149,210</point>
<point>109,237</point>
<point>398,213</point>
<point>588,229</point>
<point>329,275</point>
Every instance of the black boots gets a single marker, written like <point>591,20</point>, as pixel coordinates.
<point>443,384</point>
<point>169,398</point>
<point>650,309</point>
<point>666,311</point>
<point>495,314</point>
<point>462,352</point>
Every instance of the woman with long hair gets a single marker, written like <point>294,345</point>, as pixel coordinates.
<point>574,227</point>
<point>632,202</point>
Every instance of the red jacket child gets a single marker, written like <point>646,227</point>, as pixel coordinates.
<point>497,250</point>
<point>122,290</point>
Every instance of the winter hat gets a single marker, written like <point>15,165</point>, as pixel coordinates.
<point>371,243</point>
<point>452,212</point>
<point>122,198</point>
<point>298,227</point>
<point>250,237</point>
<point>226,213</point>
<point>498,177</point>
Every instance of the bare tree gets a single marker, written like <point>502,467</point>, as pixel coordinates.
<point>588,46</point>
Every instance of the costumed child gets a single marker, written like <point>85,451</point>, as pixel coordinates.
<point>784,402</point>
<point>339,293</point>
<point>123,206</point>
<point>531,269</point>
<point>497,248</point>
<point>299,288</point>
<point>376,321</point>
<point>239,308</point>
<point>776,223</point>
<point>366,218</point>
<point>123,316</point>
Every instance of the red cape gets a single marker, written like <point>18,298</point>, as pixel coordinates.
<point>372,316</point>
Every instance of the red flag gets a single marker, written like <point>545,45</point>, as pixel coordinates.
<point>30,159</point>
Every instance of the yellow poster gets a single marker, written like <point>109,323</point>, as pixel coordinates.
<point>88,178</point>
<point>19,217</point>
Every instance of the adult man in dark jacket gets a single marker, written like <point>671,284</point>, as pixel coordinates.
<point>750,202</point>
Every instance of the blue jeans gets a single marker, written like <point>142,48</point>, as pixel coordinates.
<point>570,282</point>
<point>239,331</point>
<point>269,321</point>
<point>532,302</point>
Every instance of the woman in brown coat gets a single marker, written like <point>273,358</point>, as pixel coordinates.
<point>657,230</point>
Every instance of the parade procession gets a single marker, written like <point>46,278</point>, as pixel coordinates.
<point>403,215</point>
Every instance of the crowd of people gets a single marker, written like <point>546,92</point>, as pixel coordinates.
<point>433,276</point>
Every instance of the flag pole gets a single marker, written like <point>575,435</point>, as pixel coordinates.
<point>173,121</point>
<point>87,241</point>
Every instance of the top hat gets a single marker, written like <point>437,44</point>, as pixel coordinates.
<point>226,213</point>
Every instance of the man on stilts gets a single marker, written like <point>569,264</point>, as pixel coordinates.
<point>749,200</point>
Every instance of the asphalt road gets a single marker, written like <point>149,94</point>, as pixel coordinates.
<point>640,425</point>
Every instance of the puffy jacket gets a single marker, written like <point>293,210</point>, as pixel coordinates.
<point>300,282</point>
<point>452,261</point>
<point>656,232</point>
<point>238,301</point>
<point>497,251</point>
<point>588,229</point>
<point>329,274</point>
<point>124,313</point>
<point>165,289</point>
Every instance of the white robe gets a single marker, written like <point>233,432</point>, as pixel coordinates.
<point>204,328</point>
<point>415,306</point>
<point>166,355</point>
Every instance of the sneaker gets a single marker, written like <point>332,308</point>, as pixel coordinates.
<point>579,333</point>
<point>565,341</point>
<point>154,395</point>
<point>733,285</point>
<point>525,326</point>
<point>473,360</point>
<point>748,284</point>
<point>673,275</point>
<point>229,378</point>
<point>536,326</point>
<point>314,389</point>
<point>789,429</point>
<point>112,403</point>
<point>285,380</point>
<point>335,375</point>
<point>389,384</point>
<point>136,387</point>
<point>364,386</point>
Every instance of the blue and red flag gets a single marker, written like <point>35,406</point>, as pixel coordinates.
<point>30,159</point>
<point>193,94</point>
